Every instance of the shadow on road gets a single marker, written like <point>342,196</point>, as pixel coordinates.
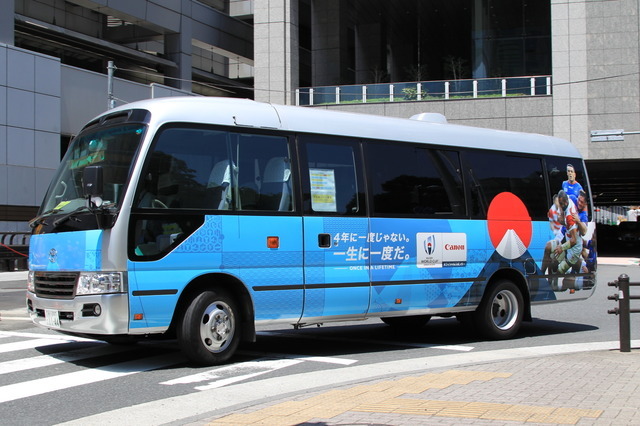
<point>339,340</point>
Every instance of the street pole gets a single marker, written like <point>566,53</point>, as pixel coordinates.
<point>110,69</point>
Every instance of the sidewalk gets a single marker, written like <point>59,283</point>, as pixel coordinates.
<point>584,383</point>
<point>585,388</point>
<point>624,261</point>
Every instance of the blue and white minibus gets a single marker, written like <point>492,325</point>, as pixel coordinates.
<point>201,218</point>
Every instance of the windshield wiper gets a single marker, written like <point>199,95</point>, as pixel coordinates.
<point>40,220</point>
<point>62,219</point>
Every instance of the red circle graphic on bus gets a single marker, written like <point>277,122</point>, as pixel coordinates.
<point>509,225</point>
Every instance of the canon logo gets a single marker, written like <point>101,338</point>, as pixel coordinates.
<point>454,246</point>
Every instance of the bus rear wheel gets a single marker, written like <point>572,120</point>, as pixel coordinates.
<point>500,313</point>
<point>208,333</point>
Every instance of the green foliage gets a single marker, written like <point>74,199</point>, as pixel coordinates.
<point>411,94</point>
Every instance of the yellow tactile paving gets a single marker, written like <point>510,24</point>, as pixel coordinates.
<point>384,397</point>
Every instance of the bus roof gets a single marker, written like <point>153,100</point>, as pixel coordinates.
<point>250,114</point>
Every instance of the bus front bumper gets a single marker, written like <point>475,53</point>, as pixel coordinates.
<point>104,314</point>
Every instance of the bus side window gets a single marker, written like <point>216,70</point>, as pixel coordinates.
<point>264,175</point>
<point>186,170</point>
<point>332,179</point>
<point>491,173</point>
<point>411,180</point>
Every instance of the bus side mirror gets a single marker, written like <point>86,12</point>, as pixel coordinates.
<point>92,184</point>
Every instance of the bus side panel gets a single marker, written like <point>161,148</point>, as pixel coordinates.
<point>425,263</point>
<point>274,276</point>
<point>233,245</point>
<point>539,288</point>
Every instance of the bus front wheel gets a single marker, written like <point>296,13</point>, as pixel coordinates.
<point>500,313</point>
<point>208,333</point>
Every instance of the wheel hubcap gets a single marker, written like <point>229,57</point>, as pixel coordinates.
<point>504,310</point>
<point>217,327</point>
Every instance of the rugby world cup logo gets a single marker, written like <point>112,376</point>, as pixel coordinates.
<point>53,255</point>
<point>429,245</point>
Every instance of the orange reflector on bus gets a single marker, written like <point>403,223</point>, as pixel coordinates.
<point>398,301</point>
<point>273,242</point>
<point>137,317</point>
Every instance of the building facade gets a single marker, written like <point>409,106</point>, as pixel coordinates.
<point>54,56</point>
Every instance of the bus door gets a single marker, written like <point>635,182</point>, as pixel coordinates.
<point>336,230</point>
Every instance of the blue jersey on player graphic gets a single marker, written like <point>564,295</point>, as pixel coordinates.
<point>572,190</point>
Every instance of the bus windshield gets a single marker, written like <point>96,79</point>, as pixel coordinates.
<point>113,149</point>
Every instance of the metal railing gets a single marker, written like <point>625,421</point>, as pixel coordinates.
<point>624,309</point>
<point>14,251</point>
<point>425,91</point>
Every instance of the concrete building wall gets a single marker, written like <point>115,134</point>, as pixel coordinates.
<point>532,115</point>
<point>29,127</point>
<point>569,58</point>
<point>613,63</point>
<point>276,49</point>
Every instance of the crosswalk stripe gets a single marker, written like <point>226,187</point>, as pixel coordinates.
<point>54,336</point>
<point>26,344</point>
<point>58,358</point>
<point>83,377</point>
<point>36,340</point>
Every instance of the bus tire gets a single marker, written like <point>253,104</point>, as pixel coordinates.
<point>208,333</point>
<point>407,322</point>
<point>500,313</point>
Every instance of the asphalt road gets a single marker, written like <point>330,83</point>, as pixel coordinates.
<point>48,378</point>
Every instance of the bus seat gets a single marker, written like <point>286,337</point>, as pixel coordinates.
<point>275,191</point>
<point>218,186</point>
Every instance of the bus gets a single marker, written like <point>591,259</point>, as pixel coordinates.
<point>199,219</point>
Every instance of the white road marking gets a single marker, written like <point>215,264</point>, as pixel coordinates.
<point>86,376</point>
<point>321,359</point>
<point>53,336</point>
<point>36,340</point>
<point>224,376</point>
<point>27,344</point>
<point>4,318</point>
<point>58,358</point>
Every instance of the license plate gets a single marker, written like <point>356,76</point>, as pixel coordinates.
<point>52,318</point>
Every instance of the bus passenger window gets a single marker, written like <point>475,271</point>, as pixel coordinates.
<point>494,172</point>
<point>201,168</point>
<point>263,175</point>
<point>333,184</point>
<point>412,180</point>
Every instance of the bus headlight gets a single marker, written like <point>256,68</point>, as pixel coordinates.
<point>31,282</point>
<point>99,283</point>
